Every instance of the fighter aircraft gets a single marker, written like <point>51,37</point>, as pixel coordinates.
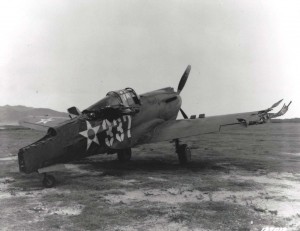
<point>120,121</point>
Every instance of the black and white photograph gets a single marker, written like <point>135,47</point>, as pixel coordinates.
<point>133,115</point>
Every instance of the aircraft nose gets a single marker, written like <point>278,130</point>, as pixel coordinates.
<point>40,153</point>
<point>33,157</point>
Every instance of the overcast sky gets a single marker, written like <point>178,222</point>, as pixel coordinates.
<point>245,55</point>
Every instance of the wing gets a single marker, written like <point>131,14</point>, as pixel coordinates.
<point>41,123</point>
<point>191,127</point>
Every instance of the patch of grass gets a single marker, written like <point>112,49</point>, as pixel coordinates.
<point>100,216</point>
<point>226,216</point>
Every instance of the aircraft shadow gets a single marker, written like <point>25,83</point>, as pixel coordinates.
<point>115,167</point>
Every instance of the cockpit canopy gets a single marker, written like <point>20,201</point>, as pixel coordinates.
<point>127,97</point>
<point>115,104</point>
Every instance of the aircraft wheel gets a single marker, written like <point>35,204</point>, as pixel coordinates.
<point>184,154</point>
<point>124,155</point>
<point>48,181</point>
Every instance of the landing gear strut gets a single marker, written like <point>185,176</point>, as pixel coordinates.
<point>124,155</point>
<point>183,152</point>
<point>48,181</point>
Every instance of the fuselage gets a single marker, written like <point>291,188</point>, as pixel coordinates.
<point>86,135</point>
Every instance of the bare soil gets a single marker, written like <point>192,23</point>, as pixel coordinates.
<point>238,180</point>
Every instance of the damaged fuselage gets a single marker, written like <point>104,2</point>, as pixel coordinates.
<point>118,121</point>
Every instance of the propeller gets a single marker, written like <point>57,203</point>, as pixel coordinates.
<point>184,79</point>
<point>183,114</point>
<point>181,86</point>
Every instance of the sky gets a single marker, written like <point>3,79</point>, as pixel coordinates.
<point>245,55</point>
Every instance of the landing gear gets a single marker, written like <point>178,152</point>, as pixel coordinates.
<point>48,181</point>
<point>124,155</point>
<point>183,152</point>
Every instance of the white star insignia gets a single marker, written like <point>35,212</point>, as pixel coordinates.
<point>44,121</point>
<point>91,134</point>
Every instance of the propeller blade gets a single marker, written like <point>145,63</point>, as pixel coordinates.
<point>183,114</point>
<point>184,79</point>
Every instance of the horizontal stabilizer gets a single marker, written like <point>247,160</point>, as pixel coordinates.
<point>270,108</point>
<point>276,104</point>
<point>282,111</point>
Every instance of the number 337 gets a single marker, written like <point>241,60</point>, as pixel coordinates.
<point>123,123</point>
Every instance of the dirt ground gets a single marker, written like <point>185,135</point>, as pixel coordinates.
<point>240,180</point>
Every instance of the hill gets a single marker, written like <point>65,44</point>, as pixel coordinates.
<point>293,120</point>
<point>10,115</point>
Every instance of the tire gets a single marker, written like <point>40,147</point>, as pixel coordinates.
<point>124,155</point>
<point>49,181</point>
<point>184,154</point>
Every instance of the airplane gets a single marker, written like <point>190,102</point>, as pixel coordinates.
<point>120,121</point>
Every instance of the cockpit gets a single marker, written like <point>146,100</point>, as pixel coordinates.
<point>115,104</point>
<point>127,97</point>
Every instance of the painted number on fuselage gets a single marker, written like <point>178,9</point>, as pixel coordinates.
<point>121,124</point>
